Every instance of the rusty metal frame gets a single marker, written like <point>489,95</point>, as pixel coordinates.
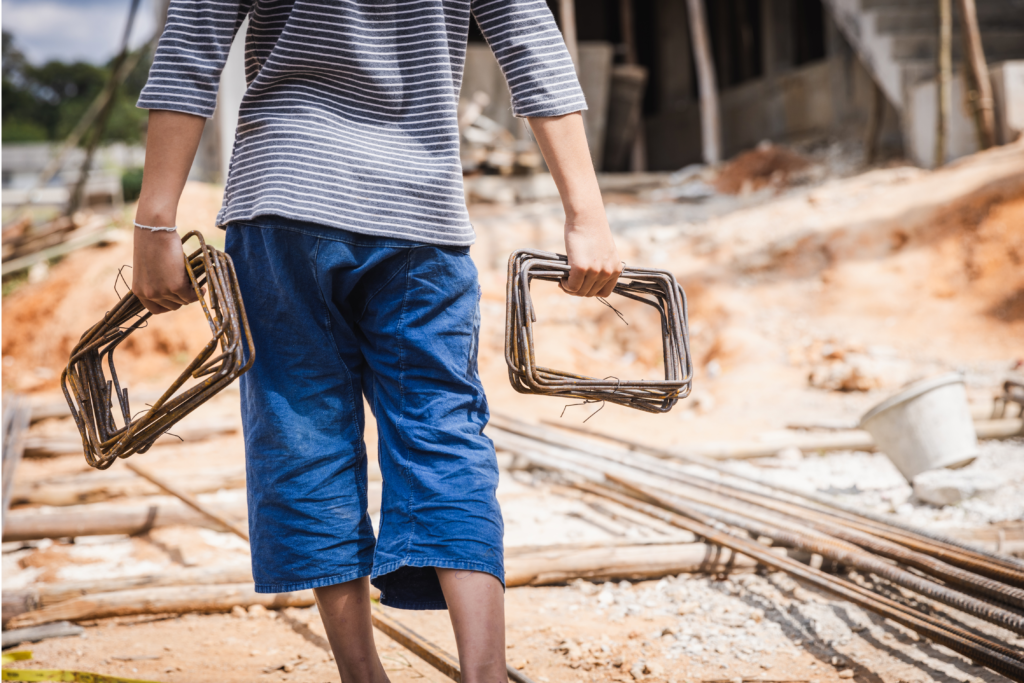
<point>656,288</point>
<point>90,394</point>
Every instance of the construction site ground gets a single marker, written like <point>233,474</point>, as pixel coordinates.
<point>814,292</point>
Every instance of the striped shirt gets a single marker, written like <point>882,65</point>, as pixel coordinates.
<point>350,114</point>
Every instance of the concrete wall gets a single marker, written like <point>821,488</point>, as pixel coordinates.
<point>1008,92</point>
<point>214,154</point>
<point>832,96</point>
<point>920,118</point>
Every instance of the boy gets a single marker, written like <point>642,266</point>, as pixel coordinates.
<point>347,225</point>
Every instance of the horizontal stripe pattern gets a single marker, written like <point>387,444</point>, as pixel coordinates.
<point>350,117</point>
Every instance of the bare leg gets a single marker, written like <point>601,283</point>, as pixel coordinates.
<point>476,604</point>
<point>345,611</point>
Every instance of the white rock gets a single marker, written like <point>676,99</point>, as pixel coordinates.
<point>943,487</point>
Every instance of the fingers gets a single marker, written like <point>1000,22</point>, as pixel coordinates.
<point>593,281</point>
<point>575,280</point>
<point>157,307</point>
<point>609,287</point>
<point>171,300</point>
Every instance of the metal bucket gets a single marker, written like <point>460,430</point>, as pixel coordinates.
<point>926,426</point>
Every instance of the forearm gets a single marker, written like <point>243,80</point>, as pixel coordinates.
<point>171,144</point>
<point>158,274</point>
<point>593,259</point>
<point>563,143</point>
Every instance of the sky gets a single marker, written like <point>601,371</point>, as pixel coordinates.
<point>74,30</point>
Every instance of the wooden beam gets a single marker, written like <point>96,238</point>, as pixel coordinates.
<point>874,128</point>
<point>100,519</point>
<point>981,94</point>
<point>944,70</point>
<point>567,19</point>
<point>710,123</point>
<point>163,600</point>
<point>16,415</point>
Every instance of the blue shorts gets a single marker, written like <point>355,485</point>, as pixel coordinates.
<point>336,316</point>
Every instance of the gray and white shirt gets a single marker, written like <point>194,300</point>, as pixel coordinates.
<point>350,117</point>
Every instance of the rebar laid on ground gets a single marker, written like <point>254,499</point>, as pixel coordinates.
<point>972,593</point>
<point>656,288</point>
<point>573,463</point>
<point>983,650</point>
<point>91,395</point>
<point>948,551</point>
<point>792,533</point>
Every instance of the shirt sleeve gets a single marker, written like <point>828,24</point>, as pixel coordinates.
<point>532,55</point>
<point>191,54</point>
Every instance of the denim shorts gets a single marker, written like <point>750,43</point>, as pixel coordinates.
<point>336,316</point>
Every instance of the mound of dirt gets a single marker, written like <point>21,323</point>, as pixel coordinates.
<point>42,322</point>
<point>767,164</point>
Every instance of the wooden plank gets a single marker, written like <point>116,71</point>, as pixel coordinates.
<point>16,416</point>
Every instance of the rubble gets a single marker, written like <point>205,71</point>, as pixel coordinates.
<point>948,487</point>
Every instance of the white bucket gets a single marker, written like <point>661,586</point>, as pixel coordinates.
<point>926,426</point>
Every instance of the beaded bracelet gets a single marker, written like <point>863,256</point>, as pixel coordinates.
<point>147,227</point>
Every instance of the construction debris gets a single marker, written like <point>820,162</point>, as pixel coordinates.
<point>34,634</point>
<point>641,477</point>
<point>780,283</point>
<point>26,246</point>
<point>16,416</point>
<point>488,147</point>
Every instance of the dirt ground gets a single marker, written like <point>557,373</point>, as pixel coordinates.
<point>811,298</point>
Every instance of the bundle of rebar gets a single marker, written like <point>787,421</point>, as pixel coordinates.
<point>656,288</point>
<point>228,354</point>
<point>938,588</point>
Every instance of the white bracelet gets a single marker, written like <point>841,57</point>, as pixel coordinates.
<point>147,227</point>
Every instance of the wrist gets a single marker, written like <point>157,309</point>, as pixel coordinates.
<point>158,213</point>
<point>585,209</point>
<point>585,220</point>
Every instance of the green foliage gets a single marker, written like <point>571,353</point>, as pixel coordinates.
<point>23,131</point>
<point>45,102</point>
<point>131,184</point>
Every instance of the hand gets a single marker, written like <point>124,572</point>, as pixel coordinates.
<point>159,279</point>
<point>594,265</point>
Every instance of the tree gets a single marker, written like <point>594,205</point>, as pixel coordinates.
<point>45,102</point>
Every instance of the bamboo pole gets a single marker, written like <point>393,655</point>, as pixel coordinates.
<point>567,18</point>
<point>944,66</point>
<point>874,128</point>
<point>162,600</point>
<point>981,94</point>
<point>424,649</point>
<point>189,500</point>
<point>710,123</point>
